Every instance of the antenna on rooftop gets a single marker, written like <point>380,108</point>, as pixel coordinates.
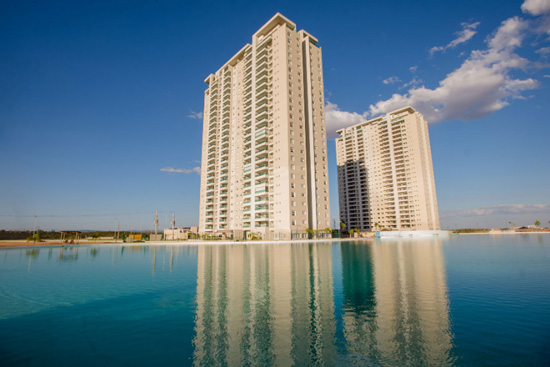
<point>156,221</point>
<point>173,223</point>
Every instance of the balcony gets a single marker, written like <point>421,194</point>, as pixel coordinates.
<point>262,124</point>
<point>261,168</point>
<point>261,154</point>
<point>261,47</point>
<point>261,133</point>
<point>262,159</point>
<point>260,91</point>
<point>261,112</point>
<point>262,71</point>
<point>262,143</point>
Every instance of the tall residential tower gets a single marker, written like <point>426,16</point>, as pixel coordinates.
<point>264,165</point>
<point>385,174</point>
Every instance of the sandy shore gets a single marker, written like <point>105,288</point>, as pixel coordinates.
<point>24,243</point>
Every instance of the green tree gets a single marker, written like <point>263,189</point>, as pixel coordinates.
<point>537,223</point>
<point>35,238</point>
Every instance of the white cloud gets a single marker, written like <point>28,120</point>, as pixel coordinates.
<point>545,51</point>
<point>337,119</point>
<point>413,69</point>
<point>479,87</point>
<point>467,32</point>
<point>391,80</point>
<point>511,209</point>
<point>181,170</point>
<point>509,35</point>
<point>413,83</point>
<point>546,76</point>
<point>536,7</point>
<point>195,115</point>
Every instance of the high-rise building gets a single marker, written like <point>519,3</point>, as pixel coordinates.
<point>385,174</point>
<point>264,167</point>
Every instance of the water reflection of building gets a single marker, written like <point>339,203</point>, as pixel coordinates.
<point>263,305</point>
<point>395,307</point>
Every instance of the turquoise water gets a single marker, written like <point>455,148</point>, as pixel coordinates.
<point>462,301</point>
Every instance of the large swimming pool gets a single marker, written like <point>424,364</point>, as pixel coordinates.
<point>467,300</point>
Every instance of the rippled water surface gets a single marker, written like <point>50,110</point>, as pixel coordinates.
<point>464,301</point>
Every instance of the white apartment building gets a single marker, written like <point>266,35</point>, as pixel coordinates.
<point>264,166</point>
<point>385,174</point>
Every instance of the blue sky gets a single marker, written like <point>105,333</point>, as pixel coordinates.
<point>98,97</point>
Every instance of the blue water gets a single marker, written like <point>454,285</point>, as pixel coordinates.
<point>463,301</point>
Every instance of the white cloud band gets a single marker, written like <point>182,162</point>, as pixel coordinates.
<point>181,170</point>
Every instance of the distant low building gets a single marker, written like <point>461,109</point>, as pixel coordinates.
<point>181,233</point>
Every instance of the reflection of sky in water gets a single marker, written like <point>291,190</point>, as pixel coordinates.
<point>457,301</point>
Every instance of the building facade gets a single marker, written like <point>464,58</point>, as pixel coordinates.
<point>264,167</point>
<point>385,174</point>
